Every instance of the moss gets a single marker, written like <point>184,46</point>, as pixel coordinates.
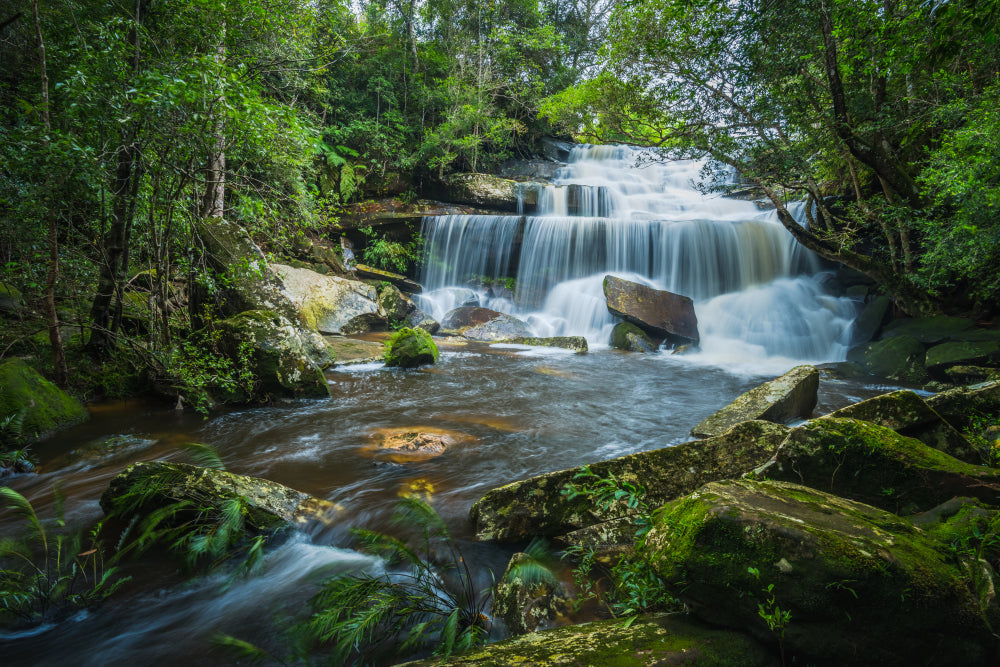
<point>46,407</point>
<point>857,581</point>
<point>408,348</point>
<point>627,336</point>
<point>945,355</point>
<point>899,358</point>
<point>649,641</point>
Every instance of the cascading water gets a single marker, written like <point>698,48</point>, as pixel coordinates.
<point>756,291</point>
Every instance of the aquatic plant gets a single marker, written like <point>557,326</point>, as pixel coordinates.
<point>45,574</point>
<point>431,601</point>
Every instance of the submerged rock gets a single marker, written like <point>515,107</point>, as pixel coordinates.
<point>409,348</point>
<point>537,507</point>
<point>791,396</point>
<point>45,407</point>
<point>860,585</point>
<point>280,356</point>
<point>907,414</point>
<point>658,312</point>
<point>146,487</point>
<point>404,445</point>
<point>875,465</point>
<point>630,338</point>
<point>650,640</point>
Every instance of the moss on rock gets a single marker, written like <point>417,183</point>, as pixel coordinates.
<point>630,338</point>
<point>944,356</point>
<point>897,358</point>
<point>409,348</point>
<point>790,396</point>
<point>46,407</point>
<point>861,585</point>
<point>536,506</point>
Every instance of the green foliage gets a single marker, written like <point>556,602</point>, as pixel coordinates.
<point>204,373</point>
<point>983,431</point>
<point>431,600</point>
<point>13,460</point>
<point>48,574</point>
<point>389,255</point>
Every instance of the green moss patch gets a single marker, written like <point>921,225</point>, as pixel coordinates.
<point>46,407</point>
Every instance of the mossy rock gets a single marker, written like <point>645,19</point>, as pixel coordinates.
<point>928,329</point>
<point>908,414</point>
<point>861,585</point>
<point>537,507</point>
<point>898,358</point>
<point>148,486</point>
<point>577,344</point>
<point>282,364</point>
<point>11,301</point>
<point>630,338</point>
<point>395,305</point>
<point>791,396</point>
<point>526,601</point>
<point>944,356</point>
<point>649,641</point>
<point>46,407</point>
<point>409,348</point>
<point>959,405</point>
<point>873,464</point>
<point>963,374</point>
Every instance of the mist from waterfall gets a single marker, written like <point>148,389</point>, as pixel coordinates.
<point>610,210</point>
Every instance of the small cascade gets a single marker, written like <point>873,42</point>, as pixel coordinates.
<point>613,210</point>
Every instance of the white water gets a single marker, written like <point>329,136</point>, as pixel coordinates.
<point>756,291</point>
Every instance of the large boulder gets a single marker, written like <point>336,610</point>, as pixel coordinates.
<point>501,328</point>
<point>457,320</point>
<point>330,304</point>
<point>409,348</point>
<point>658,312</point>
<point>859,585</point>
<point>649,640</point>
<point>537,507</point>
<point>45,407</point>
<point>282,359</point>
<point>876,465</point>
<point>942,357</point>
<point>630,338</point>
<point>145,487</point>
<point>898,358</point>
<point>791,396</point>
<point>907,414</point>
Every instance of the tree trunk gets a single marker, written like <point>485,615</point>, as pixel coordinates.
<point>213,203</point>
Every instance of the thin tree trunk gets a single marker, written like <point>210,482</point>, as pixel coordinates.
<point>52,277</point>
<point>213,203</point>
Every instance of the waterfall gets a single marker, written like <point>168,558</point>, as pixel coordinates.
<point>613,210</point>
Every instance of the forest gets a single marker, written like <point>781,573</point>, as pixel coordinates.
<point>160,158</point>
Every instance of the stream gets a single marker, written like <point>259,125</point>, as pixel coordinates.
<point>523,411</point>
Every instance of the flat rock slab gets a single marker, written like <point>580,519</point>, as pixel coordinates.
<point>651,640</point>
<point>658,312</point>
<point>791,396</point>
<point>354,351</point>
<point>908,414</point>
<point>537,507</point>
<point>577,344</point>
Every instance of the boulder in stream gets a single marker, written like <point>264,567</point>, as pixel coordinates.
<point>416,443</point>
<point>457,320</point>
<point>791,396</point>
<point>501,328</point>
<point>409,348</point>
<point>482,190</point>
<point>527,600</point>
<point>928,330</point>
<point>860,585</point>
<point>145,487</point>
<point>630,338</point>
<point>660,313</point>
<point>45,407</point>
<point>536,506</point>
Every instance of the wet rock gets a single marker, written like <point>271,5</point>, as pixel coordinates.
<point>111,447</point>
<point>927,329</point>
<point>330,304</point>
<point>44,406</point>
<point>483,190</point>
<point>280,357</point>
<point>161,483</point>
<point>869,322</point>
<point>897,358</point>
<point>791,396</point>
<point>860,584</point>
<point>630,338</point>
<point>418,443</point>
<point>529,598</point>
<point>457,320</point>
<point>11,301</point>
<point>842,370</point>
<point>418,319</point>
<point>577,344</point>
<point>875,465</point>
<point>649,640</point>
<point>977,335</point>
<point>658,312</point>
<point>394,303</point>
<point>536,506</point>
<point>907,414</point>
<point>499,327</point>
<point>409,348</point>
<point>349,351</point>
<point>944,356</point>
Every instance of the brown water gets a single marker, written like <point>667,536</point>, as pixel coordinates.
<point>524,412</point>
